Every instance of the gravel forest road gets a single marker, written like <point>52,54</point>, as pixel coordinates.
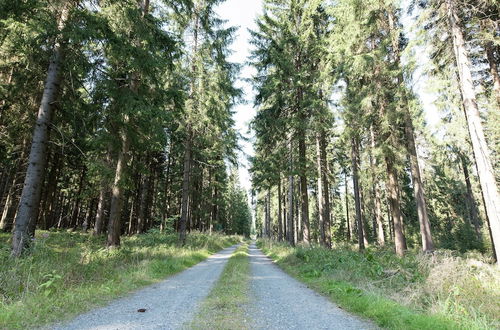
<point>277,301</point>
<point>281,302</point>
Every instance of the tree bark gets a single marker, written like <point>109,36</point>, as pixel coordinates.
<point>376,194</point>
<point>418,187</point>
<point>291,213</point>
<point>30,196</point>
<point>357,198</point>
<point>479,146</point>
<point>394,202</point>
<point>280,218</point>
<point>471,203</point>
<point>268,213</point>
<point>143,205</point>
<point>323,190</point>
<point>99,219</point>
<point>303,188</point>
<point>185,190</point>
<point>347,216</point>
<point>115,212</point>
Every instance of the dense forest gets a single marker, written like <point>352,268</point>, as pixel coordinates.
<point>116,118</point>
<point>267,164</point>
<point>343,151</point>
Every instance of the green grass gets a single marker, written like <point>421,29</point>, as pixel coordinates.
<point>441,291</point>
<point>224,306</point>
<point>69,273</point>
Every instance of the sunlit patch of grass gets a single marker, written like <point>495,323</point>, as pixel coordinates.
<point>224,308</point>
<point>438,291</point>
<point>66,273</point>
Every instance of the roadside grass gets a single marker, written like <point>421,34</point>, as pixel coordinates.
<point>224,307</point>
<point>67,273</point>
<point>438,291</point>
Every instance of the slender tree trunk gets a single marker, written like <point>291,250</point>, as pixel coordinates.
<point>30,196</point>
<point>143,205</point>
<point>479,146</point>
<point>75,213</point>
<point>268,213</point>
<point>347,217</point>
<point>99,219</point>
<point>376,193</point>
<point>115,212</point>
<point>280,219</point>
<point>471,203</point>
<point>323,190</point>
<point>291,213</point>
<point>393,194</point>
<point>185,190</point>
<point>418,187</point>
<point>357,198</point>
<point>303,188</point>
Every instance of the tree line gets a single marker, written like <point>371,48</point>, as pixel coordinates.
<point>116,117</point>
<point>343,151</point>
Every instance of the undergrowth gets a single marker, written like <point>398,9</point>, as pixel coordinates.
<point>443,290</point>
<point>66,273</point>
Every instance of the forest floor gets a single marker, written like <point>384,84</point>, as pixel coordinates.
<point>67,273</point>
<point>444,290</point>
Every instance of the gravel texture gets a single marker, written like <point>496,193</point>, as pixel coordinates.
<point>281,302</point>
<point>168,304</point>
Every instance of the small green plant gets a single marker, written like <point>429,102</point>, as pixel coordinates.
<point>52,282</point>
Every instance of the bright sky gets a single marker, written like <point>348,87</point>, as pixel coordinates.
<point>242,14</point>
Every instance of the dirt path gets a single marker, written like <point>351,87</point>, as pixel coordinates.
<point>169,304</point>
<point>281,302</point>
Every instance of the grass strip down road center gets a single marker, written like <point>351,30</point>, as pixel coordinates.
<point>224,307</point>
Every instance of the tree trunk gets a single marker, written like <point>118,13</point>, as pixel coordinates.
<point>185,190</point>
<point>30,196</point>
<point>376,193</point>
<point>357,198</point>
<point>268,213</point>
<point>75,213</point>
<point>471,204</point>
<point>143,205</point>
<point>323,190</point>
<point>101,205</point>
<point>303,188</point>
<point>393,195</point>
<point>347,217</point>
<point>291,213</point>
<point>280,219</point>
<point>115,212</point>
<point>418,187</point>
<point>479,146</point>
